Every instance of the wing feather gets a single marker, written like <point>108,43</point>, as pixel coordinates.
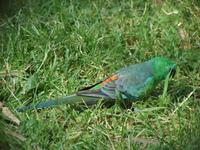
<point>104,89</point>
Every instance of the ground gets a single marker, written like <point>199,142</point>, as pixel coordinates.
<point>53,48</point>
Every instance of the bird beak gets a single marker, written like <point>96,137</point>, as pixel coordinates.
<point>173,71</point>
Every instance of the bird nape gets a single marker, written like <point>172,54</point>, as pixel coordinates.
<point>127,84</point>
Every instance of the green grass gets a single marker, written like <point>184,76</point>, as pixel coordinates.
<point>52,48</point>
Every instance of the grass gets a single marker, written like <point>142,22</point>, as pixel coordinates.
<point>52,48</point>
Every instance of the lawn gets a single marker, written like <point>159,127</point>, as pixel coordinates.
<point>53,48</point>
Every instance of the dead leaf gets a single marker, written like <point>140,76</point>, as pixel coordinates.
<point>159,2</point>
<point>185,43</point>
<point>179,24</point>
<point>1,105</point>
<point>13,73</point>
<point>16,135</point>
<point>10,115</point>
<point>175,12</point>
<point>183,34</point>
<point>145,140</point>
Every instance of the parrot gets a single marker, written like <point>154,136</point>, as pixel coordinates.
<point>130,83</point>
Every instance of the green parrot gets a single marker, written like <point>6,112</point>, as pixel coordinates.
<point>127,84</point>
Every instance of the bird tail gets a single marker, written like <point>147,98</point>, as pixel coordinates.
<point>61,100</point>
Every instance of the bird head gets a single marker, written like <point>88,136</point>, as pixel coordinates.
<point>162,67</point>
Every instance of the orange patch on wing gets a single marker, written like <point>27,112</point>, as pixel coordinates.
<point>112,78</point>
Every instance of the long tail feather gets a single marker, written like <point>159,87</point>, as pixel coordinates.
<point>62,100</point>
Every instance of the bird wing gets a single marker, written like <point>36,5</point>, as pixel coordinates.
<point>132,87</point>
<point>104,89</point>
<point>128,83</point>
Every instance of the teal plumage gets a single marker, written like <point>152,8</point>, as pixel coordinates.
<point>129,83</point>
